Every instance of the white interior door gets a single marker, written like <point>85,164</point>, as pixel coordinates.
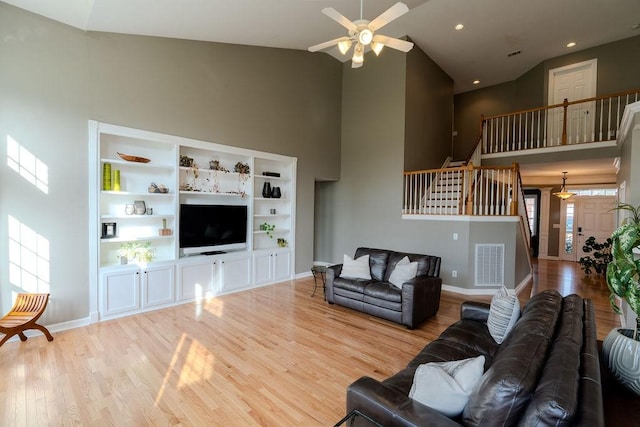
<point>573,82</point>
<point>594,217</point>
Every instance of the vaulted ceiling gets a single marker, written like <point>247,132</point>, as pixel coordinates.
<point>539,29</point>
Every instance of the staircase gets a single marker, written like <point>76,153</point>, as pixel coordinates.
<point>445,193</point>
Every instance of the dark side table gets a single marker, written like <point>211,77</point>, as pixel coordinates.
<point>319,272</point>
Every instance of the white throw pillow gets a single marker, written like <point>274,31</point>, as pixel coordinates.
<point>446,386</point>
<point>356,269</point>
<point>403,271</point>
<point>503,314</point>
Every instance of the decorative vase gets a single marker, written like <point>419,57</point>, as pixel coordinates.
<point>621,353</point>
<point>266,190</point>
<point>276,193</point>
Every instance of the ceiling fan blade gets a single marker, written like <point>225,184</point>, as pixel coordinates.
<point>398,44</point>
<point>321,46</point>
<point>394,12</point>
<point>339,18</point>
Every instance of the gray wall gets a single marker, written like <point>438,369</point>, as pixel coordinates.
<point>618,71</point>
<point>53,79</point>
<point>363,208</point>
<point>429,113</point>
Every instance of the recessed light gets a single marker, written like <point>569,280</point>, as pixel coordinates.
<point>475,82</point>
<point>572,44</point>
<point>459,27</point>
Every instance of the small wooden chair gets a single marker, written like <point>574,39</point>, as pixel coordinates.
<point>25,312</point>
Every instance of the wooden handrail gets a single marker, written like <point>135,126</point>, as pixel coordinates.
<point>548,107</point>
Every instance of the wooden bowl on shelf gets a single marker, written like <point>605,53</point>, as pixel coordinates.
<point>137,159</point>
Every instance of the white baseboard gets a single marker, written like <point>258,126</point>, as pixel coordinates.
<point>467,291</point>
<point>57,327</point>
<point>524,283</point>
<point>303,275</point>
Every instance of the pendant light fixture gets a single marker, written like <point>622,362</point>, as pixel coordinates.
<point>563,193</point>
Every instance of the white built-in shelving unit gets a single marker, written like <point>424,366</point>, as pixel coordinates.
<point>170,277</point>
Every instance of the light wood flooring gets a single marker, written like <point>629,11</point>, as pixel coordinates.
<point>272,356</point>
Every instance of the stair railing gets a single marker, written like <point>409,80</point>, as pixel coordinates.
<point>464,190</point>
<point>571,122</point>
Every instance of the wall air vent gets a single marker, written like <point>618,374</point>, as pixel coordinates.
<point>514,53</point>
<point>489,264</point>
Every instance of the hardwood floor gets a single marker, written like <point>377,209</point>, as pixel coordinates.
<point>270,356</point>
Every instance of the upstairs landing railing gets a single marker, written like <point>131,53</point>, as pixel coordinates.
<point>571,122</point>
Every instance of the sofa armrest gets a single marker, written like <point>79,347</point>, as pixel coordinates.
<point>420,299</point>
<point>390,407</point>
<point>472,310</point>
<point>333,271</point>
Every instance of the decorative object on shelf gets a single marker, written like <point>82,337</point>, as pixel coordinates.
<point>268,229</point>
<point>621,347</point>
<point>140,252</point>
<point>164,231</point>
<point>129,209</point>
<point>272,211</point>
<point>149,211</point>
<point>273,174</point>
<point>139,207</point>
<point>109,230</point>
<point>601,256</point>
<point>282,242</point>
<point>186,161</point>
<point>160,188</point>
<point>124,260</point>
<point>116,180</point>
<point>136,159</point>
<point>266,190</point>
<point>276,193</point>
<point>242,168</point>
<point>216,166</point>
<point>106,177</point>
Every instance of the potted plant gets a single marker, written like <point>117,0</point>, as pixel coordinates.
<point>268,229</point>
<point>140,252</point>
<point>601,256</point>
<point>621,348</point>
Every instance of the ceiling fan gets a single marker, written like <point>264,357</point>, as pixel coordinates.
<point>362,33</point>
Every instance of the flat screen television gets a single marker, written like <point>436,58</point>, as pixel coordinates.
<point>212,228</point>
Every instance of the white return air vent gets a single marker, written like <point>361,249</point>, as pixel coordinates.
<point>489,264</point>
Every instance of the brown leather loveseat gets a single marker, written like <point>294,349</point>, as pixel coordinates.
<point>417,299</point>
<point>545,373</point>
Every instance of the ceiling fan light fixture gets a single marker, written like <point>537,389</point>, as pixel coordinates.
<point>563,193</point>
<point>365,36</point>
<point>377,47</point>
<point>358,54</point>
<point>344,46</point>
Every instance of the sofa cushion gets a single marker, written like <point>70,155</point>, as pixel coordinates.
<point>427,265</point>
<point>508,385</point>
<point>446,386</point>
<point>555,400</point>
<point>353,285</point>
<point>384,291</point>
<point>503,314</point>
<point>403,271</point>
<point>355,268</point>
<point>377,261</point>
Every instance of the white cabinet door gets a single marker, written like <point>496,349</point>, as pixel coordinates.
<point>262,268</point>
<point>120,291</point>
<point>236,272</point>
<point>282,266</point>
<point>195,279</point>
<point>158,285</point>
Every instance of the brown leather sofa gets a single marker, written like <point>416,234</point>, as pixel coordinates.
<point>546,372</point>
<point>418,299</point>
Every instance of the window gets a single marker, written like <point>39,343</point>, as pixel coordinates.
<point>532,212</point>
<point>569,237</point>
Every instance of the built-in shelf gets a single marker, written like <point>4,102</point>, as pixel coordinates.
<point>271,215</point>
<point>275,178</point>
<point>149,165</point>
<point>137,194</point>
<point>279,199</point>
<point>140,217</point>
<point>277,230</point>
<point>211,193</point>
<point>134,239</point>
